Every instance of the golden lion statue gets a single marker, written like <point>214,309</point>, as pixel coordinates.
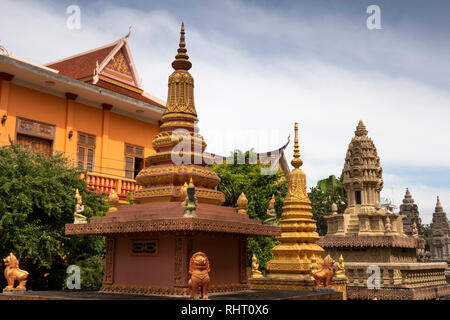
<point>13,273</point>
<point>199,272</point>
<point>325,274</point>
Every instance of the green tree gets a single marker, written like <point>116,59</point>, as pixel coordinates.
<point>327,192</point>
<point>36,201</point>
<point>258,188</point>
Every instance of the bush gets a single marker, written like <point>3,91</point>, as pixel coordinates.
<point>36,201</point>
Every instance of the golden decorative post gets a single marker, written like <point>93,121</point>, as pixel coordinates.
<point>183,193</point>
<point>242,203</point>
<point>113,200</point>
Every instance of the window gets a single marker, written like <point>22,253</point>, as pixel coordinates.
<point>35,135</point>
<point>144,247</point>
<point>134,160</point>
<point>86,151</point>
<point>358,197</point>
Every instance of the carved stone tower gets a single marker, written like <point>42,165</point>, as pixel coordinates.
<point>411,211</point>
<point>362,173</point>
<point>367,235</point>
<point>439,234</point>
<point>363,182</point>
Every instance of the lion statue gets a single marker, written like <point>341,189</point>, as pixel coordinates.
<point>13,273</point>
<point>199,272</point>
<point>325,274</point>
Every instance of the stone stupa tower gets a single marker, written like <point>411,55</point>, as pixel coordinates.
<point>440,234</point>
<point>372,240</point>
<point>411,211</point>
<point>363,183</point>
<point>297,252</point>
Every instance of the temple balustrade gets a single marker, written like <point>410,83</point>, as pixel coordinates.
<point>105,183</point>
<point>396,275</point>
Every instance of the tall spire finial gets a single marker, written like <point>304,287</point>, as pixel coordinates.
<point>182,59</point>
<point>361,129</point>
<point>439,207</point>
<point>296,162</point>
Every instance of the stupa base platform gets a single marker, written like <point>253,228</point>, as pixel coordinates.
<point>339,285</point>
<point>242,295</point>
<point>425,293</point>
<point>281,283</point>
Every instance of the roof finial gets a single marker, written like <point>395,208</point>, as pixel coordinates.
<point>296,162</point>
<point>128,34</point>
<point>361,129</point>
<point>4,51</point>
<point>439,207</point>
<point>182,59</point>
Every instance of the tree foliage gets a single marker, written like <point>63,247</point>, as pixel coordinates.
<point>258,188</point>
<point>36,201</point>
<point>327,192</point>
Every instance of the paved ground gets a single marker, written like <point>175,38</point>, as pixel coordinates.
<point>243,295</point>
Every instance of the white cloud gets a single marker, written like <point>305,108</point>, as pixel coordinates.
<point>256,98</point>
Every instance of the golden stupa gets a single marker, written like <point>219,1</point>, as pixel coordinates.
<point>294,256</point>
<point>179,147</point>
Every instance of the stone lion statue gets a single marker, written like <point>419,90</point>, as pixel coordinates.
<point>199,272</point>
<point>13,273</point>
<point>325,274</point>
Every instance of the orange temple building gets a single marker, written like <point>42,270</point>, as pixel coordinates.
<point>89,106</point>
<point>149,244</point>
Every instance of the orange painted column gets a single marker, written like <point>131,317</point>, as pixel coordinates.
<point>5,79</point>
<point>70,147</point>
<point>105,132</point>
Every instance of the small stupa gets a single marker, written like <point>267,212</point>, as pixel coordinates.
<point>411,211</point>
<point>440,234</point>
<point>291,269</point>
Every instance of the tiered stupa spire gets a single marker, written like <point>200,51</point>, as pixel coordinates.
<point>411,211</point>
<point>440,234</point>
<point>362,173</point>
<point>363,182</point>
<point>294,255</point>
<point>179,147</point>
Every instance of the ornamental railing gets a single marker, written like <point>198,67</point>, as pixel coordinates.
<point>105,183</point>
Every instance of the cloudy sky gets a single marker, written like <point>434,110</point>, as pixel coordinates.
<point>259,66</point>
